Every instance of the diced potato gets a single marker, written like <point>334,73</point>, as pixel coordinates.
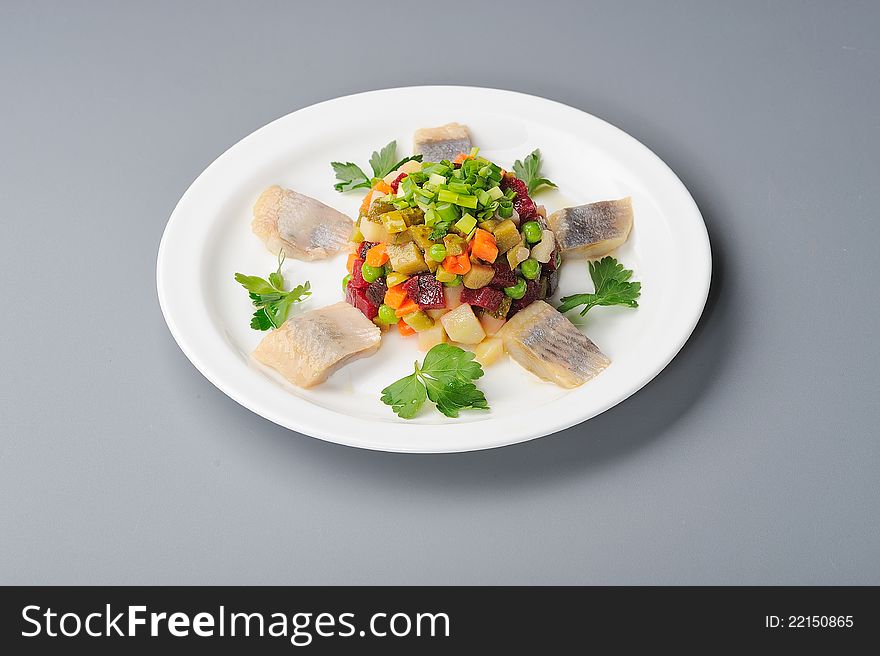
<point>436,314</point>
<point>428,339</point>
<point>544,248</point>
<point>406,258</point>
<point>462,325</point>
<point>373,231</point>
<point>489,350</point>
<point>506,235</point>
<point>452,296</point>
<point>411,166</point>
<point>480,275</point>
<point>491,324</point>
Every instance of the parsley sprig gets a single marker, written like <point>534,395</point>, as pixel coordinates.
<point>612,284</point>
<point>351,176</point>
<point>446,377</point>
<point>529,171</point>
<point>270,299</point>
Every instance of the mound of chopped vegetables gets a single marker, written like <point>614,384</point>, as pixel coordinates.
<point>449,249</point>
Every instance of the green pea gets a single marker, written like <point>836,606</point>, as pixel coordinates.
<point>516,291</point>
<point>387,315</point>
<point>530,269</point>
<point>345,282</point>
<point>532,231</point>
<point>371,273</point>
<point>455,282</point>
<point>437,252</point>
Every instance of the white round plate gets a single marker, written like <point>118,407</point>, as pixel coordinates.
<point>208,239</point>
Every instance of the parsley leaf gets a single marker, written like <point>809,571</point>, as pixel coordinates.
<point>270,299</point>
<point>351,176</point>
<point>382,162</point>
<point>612,287</point>
<point>446,377</point>
<point>406,395</point>
<point>529,171</point>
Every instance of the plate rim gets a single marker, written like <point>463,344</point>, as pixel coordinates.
<point>341,438</point>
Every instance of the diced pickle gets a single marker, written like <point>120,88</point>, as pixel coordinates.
<point>356,236</point>
<point>377,209</point>
<point>393,222</point>
<point>421,235</point>
<point>517,254</point>
<point>433,264</point>
<point>393,279</point>
<point>489,225</point>
<point>506,235</point>
<point>455,245</point>
<point>406,258</point>
<point>401,237</point>
<point>418,321</point>
<point>444,276</point>
<point>480,275</point>
<point>503,308</point>
<point>412,216</point>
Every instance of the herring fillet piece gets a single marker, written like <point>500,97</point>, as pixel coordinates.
<point>304,228</point>
<point>546,343</point>
<point>593,230</point>
<point>309,347</point>
<point>444,142</point>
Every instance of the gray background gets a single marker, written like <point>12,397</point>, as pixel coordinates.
<point>752,459</point>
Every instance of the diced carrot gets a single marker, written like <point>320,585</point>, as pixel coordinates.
<point>382,186</point>
<point>405,329</point>
<point>365,204</point>
<point>460,158</point>
<point>350,263</point>
<point>483,245</point>
<point>377,255</point>
<point>408,306</point>
<point>395,296</point>
<point>458,264</point>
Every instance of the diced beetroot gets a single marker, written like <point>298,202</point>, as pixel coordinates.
<point>523,204</point>
<point>533,291</point>
<point>412,288</point>
<point>504,277</point>
<point>357,275</point>
<point>358,298</point>
<point>363,248</point>
<point>485,297</point>
<point>376,292</point>
<point>396,182</point>
<point>427,291</point>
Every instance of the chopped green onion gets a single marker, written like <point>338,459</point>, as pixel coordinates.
<point>446,196</point>
<point>495,192</point>
<point>436,179</point>
<point>466,224</point>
